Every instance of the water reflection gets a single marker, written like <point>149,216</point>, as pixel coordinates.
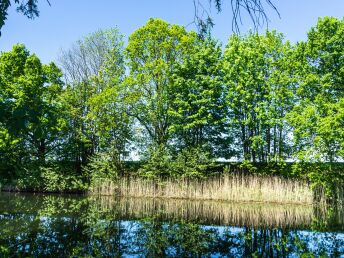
<point>71,226</point>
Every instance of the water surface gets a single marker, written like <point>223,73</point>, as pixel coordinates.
<point>76,226</point>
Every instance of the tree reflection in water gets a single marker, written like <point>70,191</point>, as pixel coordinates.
<point>44,226</point>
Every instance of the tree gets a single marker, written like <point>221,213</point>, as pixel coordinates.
<point>259,94</point>
<point>94,71</point>
<point>198,103</point>
<point>153,53</point>
<point>30,93</point>
<point>318,116</point>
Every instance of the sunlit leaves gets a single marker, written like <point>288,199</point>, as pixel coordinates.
<point>318,116</point>
<point>257,73</point>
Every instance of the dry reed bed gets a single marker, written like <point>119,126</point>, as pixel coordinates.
<point>211,212</point>
<point>237,188</point>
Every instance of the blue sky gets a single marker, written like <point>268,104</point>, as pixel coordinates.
<point>65,21</point>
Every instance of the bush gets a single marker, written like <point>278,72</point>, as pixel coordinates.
<point>157,164</point>
<point>102,166</point>
<point>323,177</point>
<point>190,163</point>
<point>49,178</point>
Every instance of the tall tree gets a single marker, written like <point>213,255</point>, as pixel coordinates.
<point>259,93</point>
<point>198,102</point>
<point>31,104</point>
<point>318,116</point>
<point>94,70</point>
<point>153,52</point>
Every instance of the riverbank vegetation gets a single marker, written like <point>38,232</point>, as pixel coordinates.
<point>178,103</point>
<point>234,188</point>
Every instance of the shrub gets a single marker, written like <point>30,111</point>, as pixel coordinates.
<point>157,164</point>
<point>188,163</point>
<point>192,163</point>
<point>49,178</point>
<point>102,166</point>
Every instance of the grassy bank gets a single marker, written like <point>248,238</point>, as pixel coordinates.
<point>227,187</point>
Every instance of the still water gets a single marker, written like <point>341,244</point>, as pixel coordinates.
<point>75,226</point>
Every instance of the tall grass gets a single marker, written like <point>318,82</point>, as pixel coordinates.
<point>238,188</point>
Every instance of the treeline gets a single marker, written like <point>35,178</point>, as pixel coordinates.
<point>174,100</point>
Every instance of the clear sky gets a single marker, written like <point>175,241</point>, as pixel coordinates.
<point>65,21</point>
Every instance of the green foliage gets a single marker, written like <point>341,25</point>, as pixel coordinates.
<point>30,93</point>
<point>189,163</point>
<point>103,166</point>
<point>259,92</point>
<point>193,163</point>
<point>248,166</point>
<point>157,164</point>
<point>153,52</point>
<point>54,181</point>
<point>197,108</point>
<point>181,101</point>
<point>97,118</point>
<point>324,178</point>
<point>318,116</point>
<point>49,178</point>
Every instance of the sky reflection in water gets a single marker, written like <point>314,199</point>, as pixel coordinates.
<point>72,226</point>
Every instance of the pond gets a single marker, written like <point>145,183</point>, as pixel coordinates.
<point>38,225</point>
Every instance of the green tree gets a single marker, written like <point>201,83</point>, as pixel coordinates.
<point>153,52</point>
<point>198,102</point>
<point>94,69</point>
<point>31,105</point>
<point>318,116</point>
<point>259,94</point>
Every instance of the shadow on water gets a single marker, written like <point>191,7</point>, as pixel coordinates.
<point>74,226</point>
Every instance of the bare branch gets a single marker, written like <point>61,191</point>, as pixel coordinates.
<point>256,10</point>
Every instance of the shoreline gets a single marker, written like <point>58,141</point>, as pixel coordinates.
<point>223,186</point>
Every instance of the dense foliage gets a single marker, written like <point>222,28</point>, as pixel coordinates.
<point>177,102</point>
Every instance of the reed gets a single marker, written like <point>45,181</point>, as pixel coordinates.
<point>239,188</point>
<point>206,212</point>
<point>210,212</point>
